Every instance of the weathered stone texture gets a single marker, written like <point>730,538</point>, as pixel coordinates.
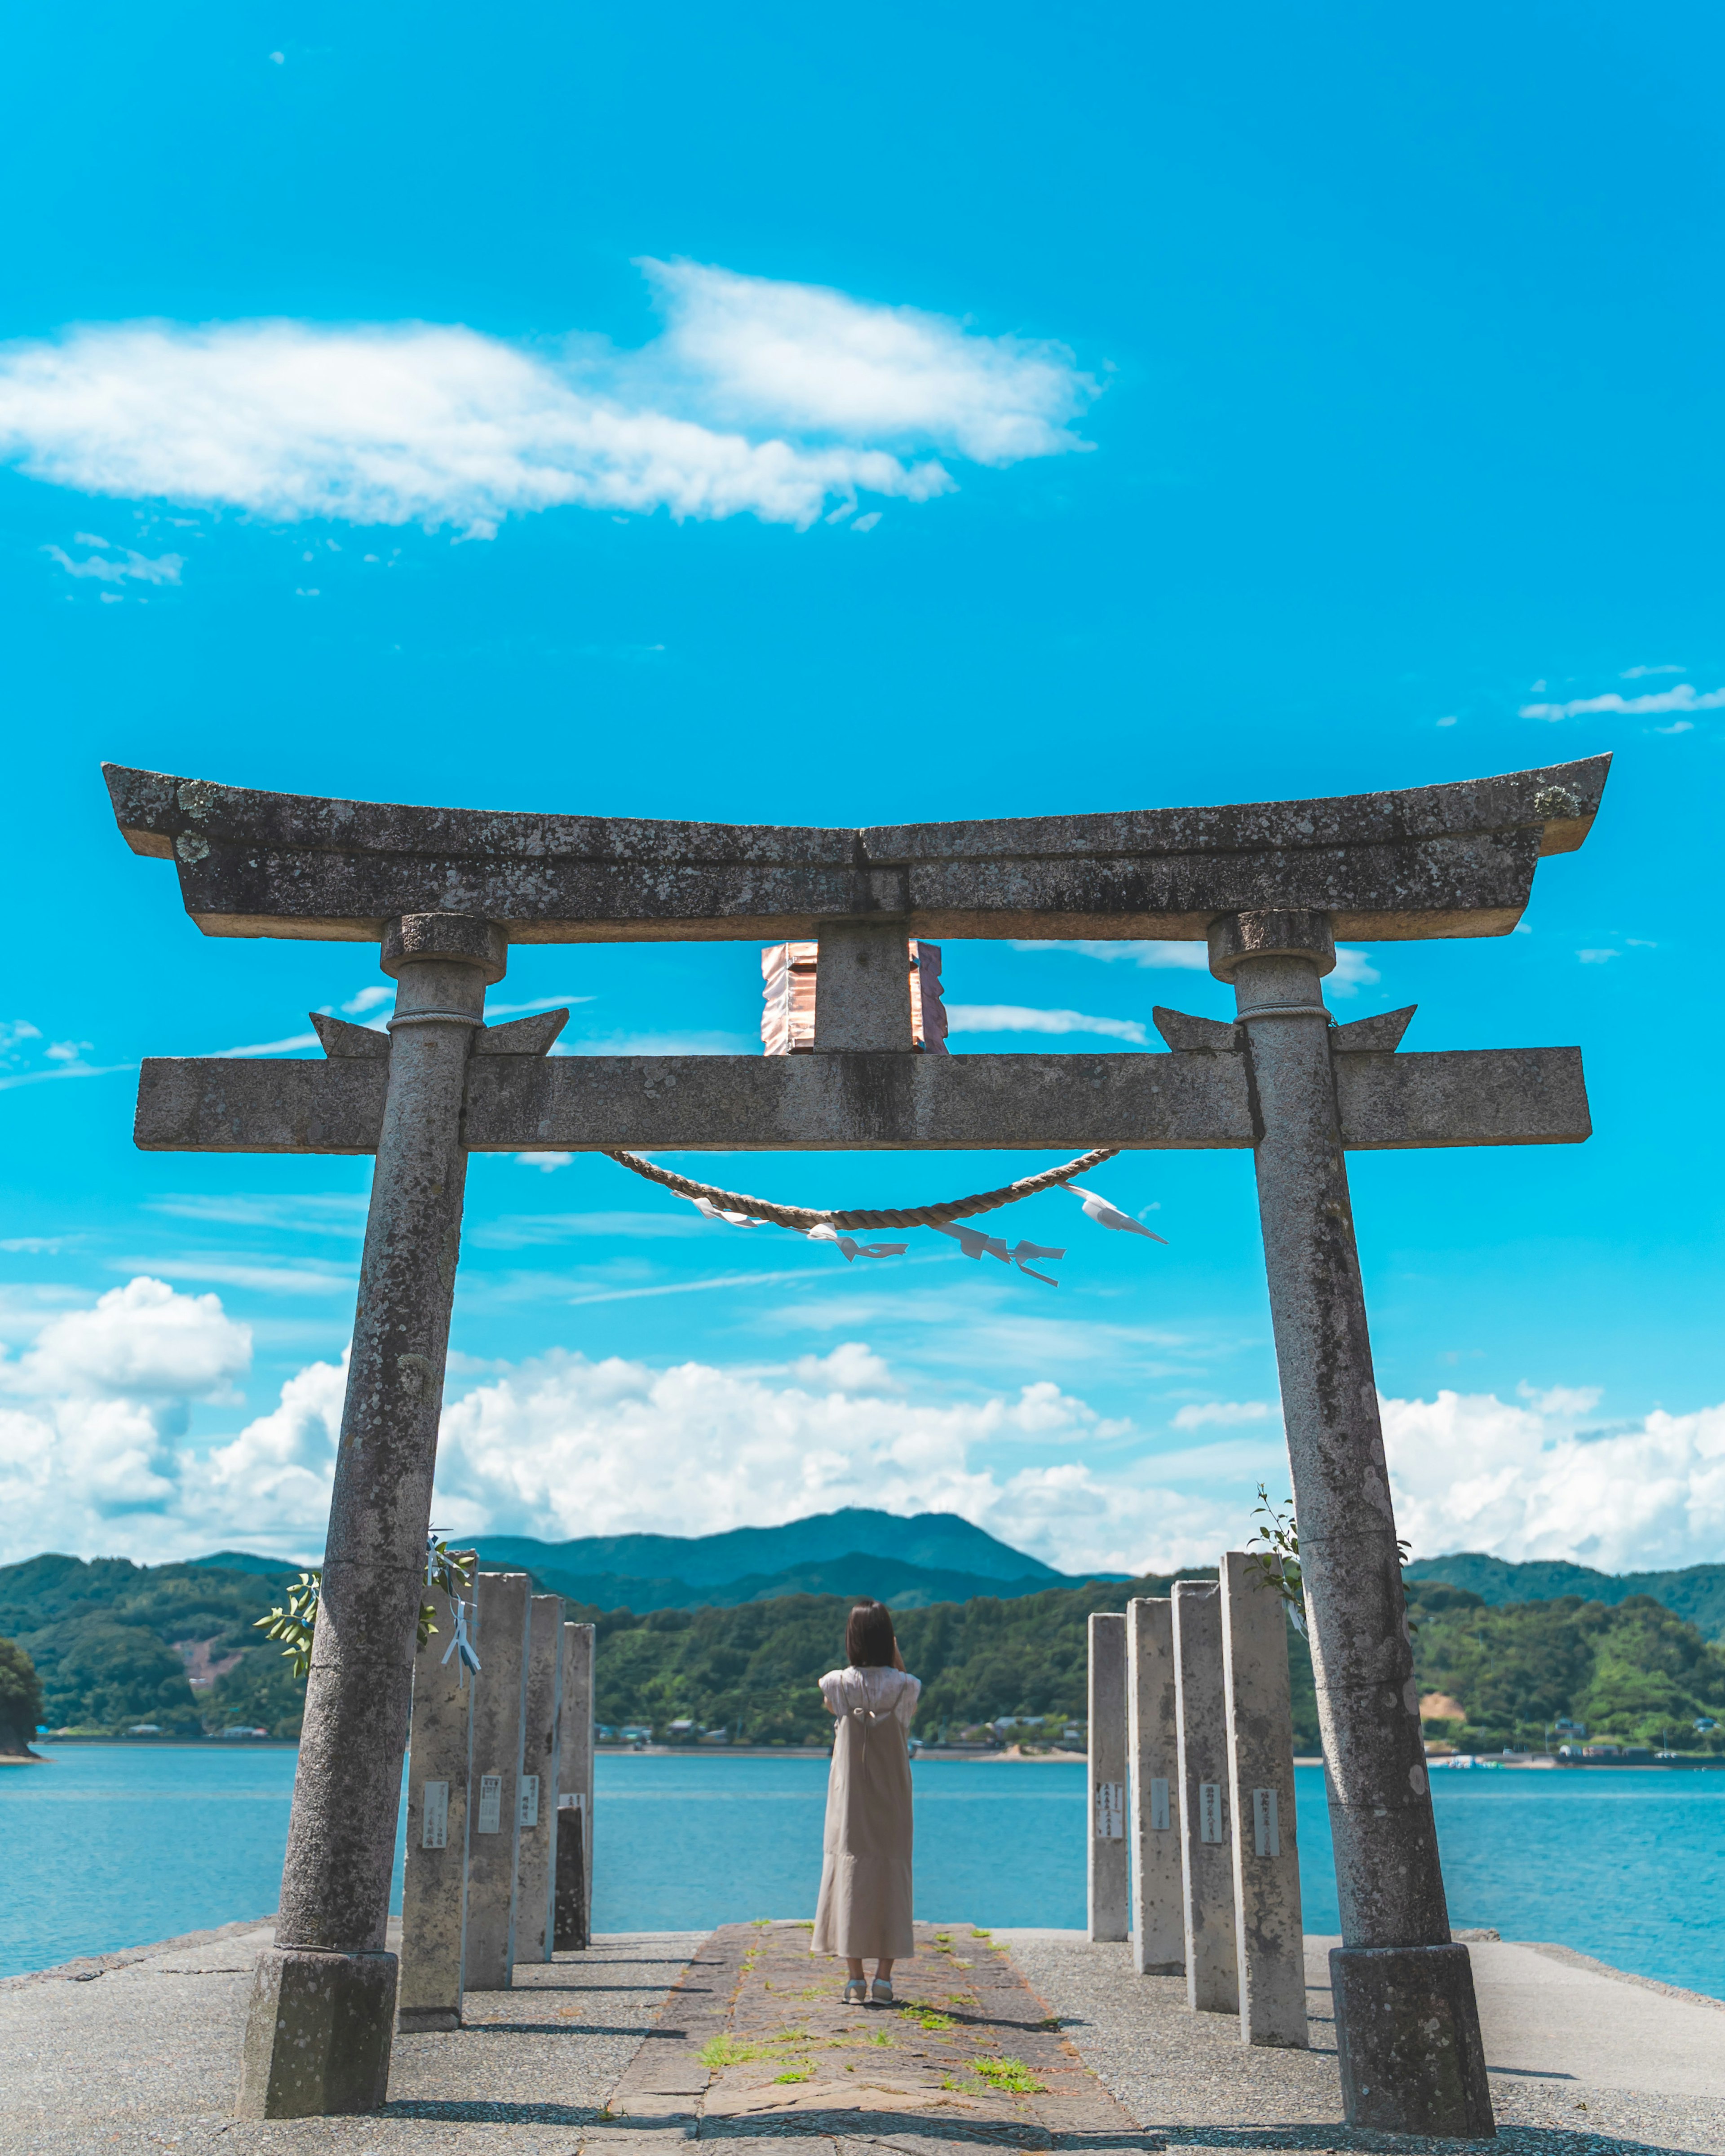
<point>334,1889</point>
<point>864,1102</point>
<point>1109,1873</point>
<point>1440,860</point>
<point>862,989</point>
<point>1269,1944</point>
<point>575,1792</point>
<point>1158,1931</point>
<point>1206,1850</point>
<point>1407,2038</point>
<point>317,2034</point>
<point>541,1749</point>
<point>499,1736</point>
<point>435,1885</point>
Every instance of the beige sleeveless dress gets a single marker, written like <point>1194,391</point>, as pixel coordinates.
<point>865,1905</point>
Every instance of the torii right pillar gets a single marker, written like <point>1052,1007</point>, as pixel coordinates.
<point>1407,2024</point>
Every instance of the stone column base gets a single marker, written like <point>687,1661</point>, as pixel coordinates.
<point>1408,2037</point>
<point>414,2020</point>
<point>317,2036</point>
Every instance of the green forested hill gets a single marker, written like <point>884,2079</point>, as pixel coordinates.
<point>753,1671</point>
<point>1635,1672</point>
<point>1696,1592</point>
<point>106,1639</point>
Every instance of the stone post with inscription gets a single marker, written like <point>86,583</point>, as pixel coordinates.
<point>1110,1871</point>
<point>1206,1860</point>
<point>434,1909</point>
<point>1152,1754</point>
<point>575,1820</point>
<point>499,1733</point>
<point>541,1749</point>
<point>1270,1950</point>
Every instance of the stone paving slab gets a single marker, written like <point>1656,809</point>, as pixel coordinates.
<point>1024,2041</point>
<point>1584,2061</point>
<point>144,2055</point>
<point>967,2053</point>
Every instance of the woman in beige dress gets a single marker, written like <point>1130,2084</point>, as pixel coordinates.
<point>864,1906</point>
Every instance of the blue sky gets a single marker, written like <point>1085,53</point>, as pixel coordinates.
<point>813,419</point>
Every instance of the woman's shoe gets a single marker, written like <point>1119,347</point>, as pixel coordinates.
<point>856,1992</point>
<point>882,1992</point>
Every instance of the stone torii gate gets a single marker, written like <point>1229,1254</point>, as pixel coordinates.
<point>1269,887</point>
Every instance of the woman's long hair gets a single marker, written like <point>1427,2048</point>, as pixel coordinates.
<point>869,1642</point>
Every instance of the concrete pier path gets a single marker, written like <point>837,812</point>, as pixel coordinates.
<point>1014,2039</point>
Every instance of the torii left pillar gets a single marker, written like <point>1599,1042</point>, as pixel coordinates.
<point>323,2002</point>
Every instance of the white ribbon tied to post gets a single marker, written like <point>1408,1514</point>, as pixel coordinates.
<point>975,1243</point>
<point>461,1644</point>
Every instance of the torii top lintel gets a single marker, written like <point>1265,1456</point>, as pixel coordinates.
<point>1426,861</point>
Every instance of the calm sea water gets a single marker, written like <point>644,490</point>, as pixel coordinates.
<point>114,1845</point>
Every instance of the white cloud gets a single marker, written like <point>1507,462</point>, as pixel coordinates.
<point>1683,698</point>
<point>770,399</point>
<point>518,1231</point>
<point>368,999</point>
<point>93,1454</point>
<point>1474,1472</point>
<point>63,1071</point>
<point>1223,1414</point>
<point>562,1446</point>
<point>1182,957</point>
<point>280,1468</point>
<point>1353,970</point>
<point>1597,958</point>
<point>657,1043</point>
<point>239,1272</point>
<point>100,1396</point>
<point>269,1047</point>
<point>143,1341</point>
<point>813,361</point>
<point>318,1212</point>
<point>547,1163</point>
<point>515,1010</point>
<point>1019,1017</point>
<point>1636,673</point>
<point>166,570</point>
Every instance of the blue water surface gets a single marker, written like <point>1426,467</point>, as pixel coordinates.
<point>112,1845</point>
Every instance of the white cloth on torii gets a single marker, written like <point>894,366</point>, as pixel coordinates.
<point>975,1243</point>
<point>1097,1208</point>
<point>824,1231</point>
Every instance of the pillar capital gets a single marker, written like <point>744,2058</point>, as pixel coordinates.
<point>450,939</point>
<point>1236,937</point>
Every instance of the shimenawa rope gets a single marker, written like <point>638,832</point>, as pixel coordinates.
<point>803,1217</point>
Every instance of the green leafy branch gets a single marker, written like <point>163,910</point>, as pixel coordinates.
<point>295,1625</point>
<point>1275,1549</point>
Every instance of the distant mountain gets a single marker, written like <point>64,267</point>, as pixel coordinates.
<point>1697,1593</point>
<point>911,1563</point>
<point>266,1567</point>
<point>932,1541</point>
<point>904,1586</point>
